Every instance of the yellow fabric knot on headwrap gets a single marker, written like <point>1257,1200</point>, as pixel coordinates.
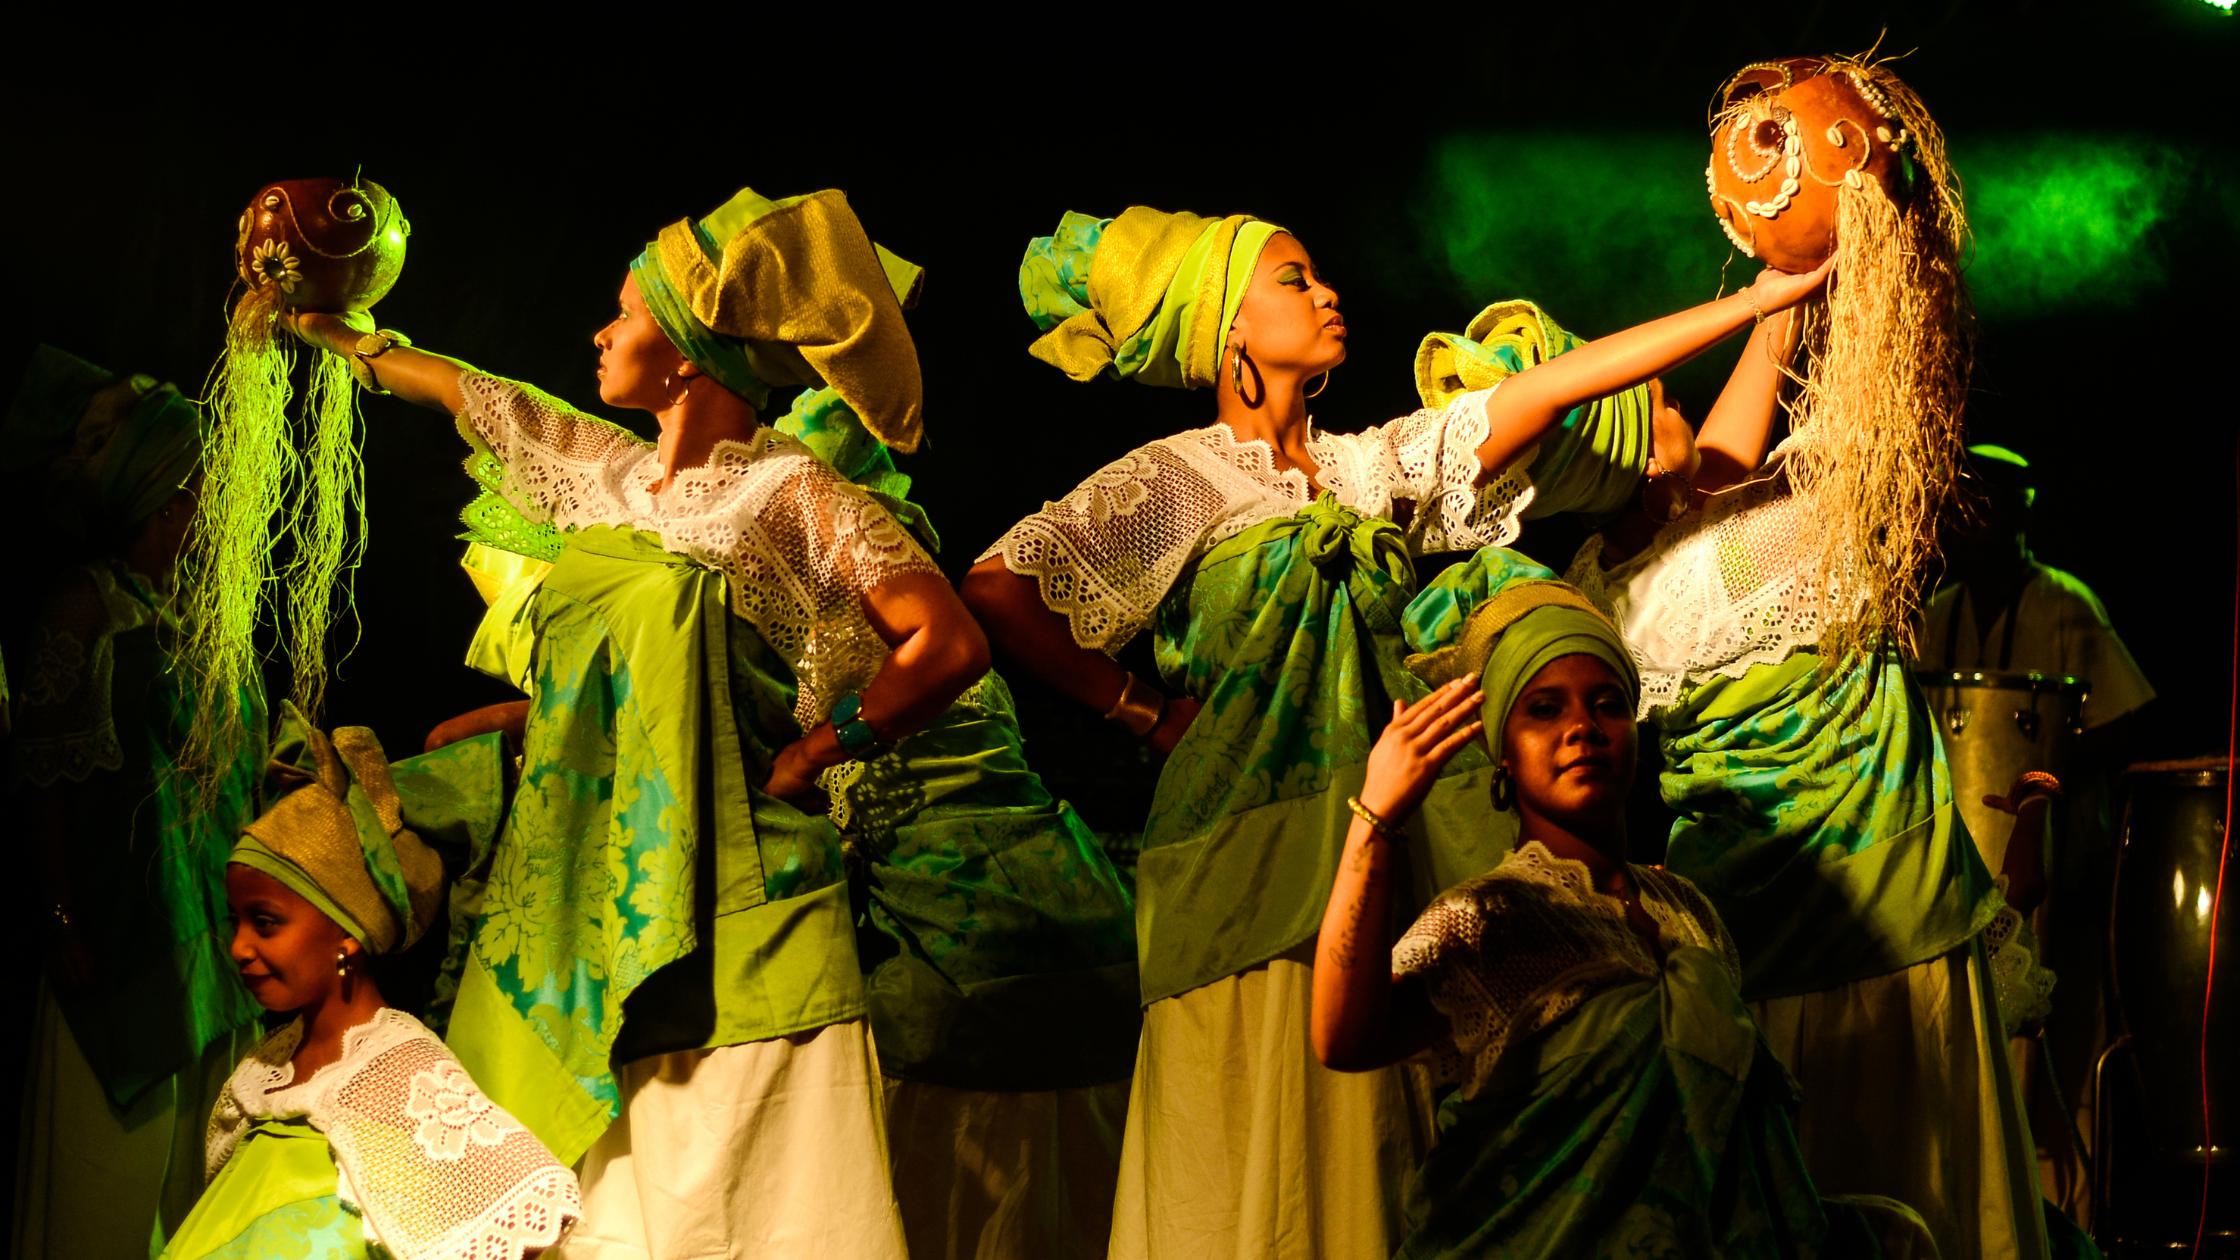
<point>791,292</point>
<point>1148,296</point>
<point>334,834</point>
<point>1513,635</point>
<point>1594,459</point>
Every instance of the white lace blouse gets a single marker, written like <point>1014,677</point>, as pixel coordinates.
<point>799,544</point>
<point>1108,553</point>
<point>1717,592</point>
<point>1512,951</point>
<point>436,1170</point>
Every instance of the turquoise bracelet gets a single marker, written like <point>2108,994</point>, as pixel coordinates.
<point>856,737</point>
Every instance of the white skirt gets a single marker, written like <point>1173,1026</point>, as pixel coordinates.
<point>991,1175</point>
<point>1241,1144</point>
<point>773,1148</point>
<point>1908,1093</point>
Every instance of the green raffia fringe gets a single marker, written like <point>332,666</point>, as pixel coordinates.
<point>262,487</point>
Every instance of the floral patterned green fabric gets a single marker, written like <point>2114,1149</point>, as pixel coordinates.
<point>1291,634</point>
<point>639,865</point>
<point>275,1199</point>
<point>998,938</point>
<point>1816,812</point>
<point>1651,1121</point>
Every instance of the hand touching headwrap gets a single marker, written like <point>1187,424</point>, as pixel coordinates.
<point>1149,295</point>
<point>791,292</point>
<point>1514,635</point>
<point>333,832</point>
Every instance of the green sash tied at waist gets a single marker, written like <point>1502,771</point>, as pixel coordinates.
<point>1291,634</point>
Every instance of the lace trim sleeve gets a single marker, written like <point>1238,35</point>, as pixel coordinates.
<point>1505,956</point>
<point>64,711</point>
<point>800,547</point>
<point>1105,555</point>
<point>1430,459</point>
<point>435,1167</point>
<point>557,466</point>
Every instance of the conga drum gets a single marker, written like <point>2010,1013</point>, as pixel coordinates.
<point>2150,1183</point>
<point>1994,727</point>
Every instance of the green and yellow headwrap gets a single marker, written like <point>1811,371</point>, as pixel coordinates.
<point>1148,296</point>
<point>333,833</point>
<point>762,293</point>
<point>1592,461</point>
<point>1514,635</point>
<point>111,457</point>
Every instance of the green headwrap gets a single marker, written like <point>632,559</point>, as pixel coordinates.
<point>333,832</point>
<point>1514,635</point>
<point>110,459</point>
<point>1137,296</point>
<point>1589,463</point>
<point>761,293</point>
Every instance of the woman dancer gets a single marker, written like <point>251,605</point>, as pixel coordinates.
<point>1615,1097</point>
<point>139,1021</point>
<point>351,1132</point>
<point>1815,811</point>
<point>1271,560</point>
<point>998,958</point>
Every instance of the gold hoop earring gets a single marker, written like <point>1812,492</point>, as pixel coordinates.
<point>1316,392</point>
<point>1236,370</point>
<point>1504,789</point>
<point>676,396</point>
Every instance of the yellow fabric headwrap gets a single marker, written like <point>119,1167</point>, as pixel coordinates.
<point>1159,296</point>
<point>814,300</point>
<point>336,835</point>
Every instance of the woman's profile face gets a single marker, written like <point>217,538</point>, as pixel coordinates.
<point>1289,320</point>
<point>635,356</point>
<point>1568,743</point>
<point>283,945</point>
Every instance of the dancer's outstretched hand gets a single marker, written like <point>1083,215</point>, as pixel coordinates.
<point>1418,743</point>
<point>1779,290</point>
<point>338,333</point>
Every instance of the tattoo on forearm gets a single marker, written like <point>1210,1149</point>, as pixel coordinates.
<point>1345,946</point>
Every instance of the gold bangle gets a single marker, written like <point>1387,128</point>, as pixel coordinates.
<point>1377,826</point>
<point>1139,707</point>
<point>369,347</point>
<point>1750,295</point>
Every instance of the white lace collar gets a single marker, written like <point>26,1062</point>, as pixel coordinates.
<point>1535,863</point>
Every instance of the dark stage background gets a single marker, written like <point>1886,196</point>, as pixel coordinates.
<point>1560,161</point>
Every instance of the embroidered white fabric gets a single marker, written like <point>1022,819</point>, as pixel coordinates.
<point>436,1170</point>
<point>799,544</point>
<point>1718,591</point>
<point>2023,987</point>
<point>1508,953</point>
<point>65,720</point>
<point>1107,553</point>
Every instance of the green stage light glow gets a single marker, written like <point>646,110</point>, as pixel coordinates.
<point>1607,230</point>
<point>2063,221</point>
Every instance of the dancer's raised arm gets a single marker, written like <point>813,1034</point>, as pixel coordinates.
<point>418,376</point>
<point>1528,404</point>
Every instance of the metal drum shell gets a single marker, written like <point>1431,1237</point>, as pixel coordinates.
<point>1992,745</point>
<point>2158,941</point>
